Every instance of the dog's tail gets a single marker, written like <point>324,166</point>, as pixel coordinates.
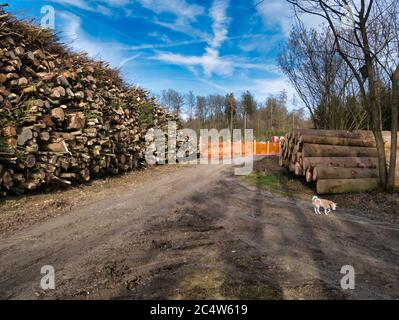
<point>315,198</point>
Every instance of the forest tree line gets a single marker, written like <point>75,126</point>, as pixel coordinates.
<point>267,118</point>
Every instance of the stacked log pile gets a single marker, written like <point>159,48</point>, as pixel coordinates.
<point>338,161</point>
<point>63,116</point>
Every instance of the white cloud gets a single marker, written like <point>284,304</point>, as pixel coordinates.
<point>182,25</point>
<point>79,40</point>
<point>117,3</point>
<point>220,23</point>
<point>276,13</point>
<point>265,87</point>
<point>280,13</point>
<point>210,61</point>
<point>81,4</point>
<point>128,59</point>
<point>176,7</point>
<point>84,5</point>
<point>167,44</point>
<point>184,15</point>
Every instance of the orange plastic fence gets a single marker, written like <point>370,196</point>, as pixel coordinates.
<point>267,148</point>
<point>255,147</point>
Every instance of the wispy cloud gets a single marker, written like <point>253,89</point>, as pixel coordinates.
<point>281,14</point>
<point>164,45</point>
<point>79,40</point>
<point>220,23</point>
<point>210,61</point>
<point>266,87</point>
<point>85,5</point>
<point>185,15</point>
<point>176,7</point>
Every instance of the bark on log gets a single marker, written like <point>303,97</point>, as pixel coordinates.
<point>334,186</point>
<point>340,154</point>
<point>309,175</point>
<point>333,133</point>
<point>321,173</point>
<point>24,136</point>
<point>315,150</point>
<point>341,162</point>
<point>338,141</point>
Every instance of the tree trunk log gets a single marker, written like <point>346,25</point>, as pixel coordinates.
<point>337,141</point>
<point>321,173</point>
<point>333,186</point>
<point>341,162</point>
<point>315,150</point>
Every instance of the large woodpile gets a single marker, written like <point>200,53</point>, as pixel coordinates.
<point>338,161</point>
<point>63,116</point>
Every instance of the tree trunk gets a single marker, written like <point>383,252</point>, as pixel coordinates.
<point>334,186</point>
<point>341,162</point>
<point>320,173</point>
<point>316,150</point>
<point>337,140</point>
<point>373,104</point>
<point>394,132</point>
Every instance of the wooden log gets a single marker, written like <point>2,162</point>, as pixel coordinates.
<point>30,161</point>
<point>337,141</point>
<point>309,175</point>
<point>298,169</point>
<point>341,162</point>
<point>343,173</point>
<point>60,147</point>
<point>316,150</point>
<point>58,114</point>
<point>25,135</point>
<point>332,133</point>
<point>76,121</point>
<point>334,186</point>
<point>8,131</point>
<point>7,179</point>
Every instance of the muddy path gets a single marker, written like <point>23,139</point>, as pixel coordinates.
<point>202,233</point>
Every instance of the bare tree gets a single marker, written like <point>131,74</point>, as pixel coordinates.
<point>357,31</point>
<point>231,109</point>
<point>200,111</point>
<point>173,100</point>
<point>190,101</point>
<point>322,79</point>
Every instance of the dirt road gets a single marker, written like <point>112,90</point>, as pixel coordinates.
<point>200,232</point>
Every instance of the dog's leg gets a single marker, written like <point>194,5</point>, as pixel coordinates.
<point>326,211</point>
<point>315,211</point>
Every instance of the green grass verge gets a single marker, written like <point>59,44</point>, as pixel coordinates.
<point>280,184</point>
<point>267,181</point>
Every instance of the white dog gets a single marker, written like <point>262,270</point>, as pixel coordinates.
<point>327,205</point>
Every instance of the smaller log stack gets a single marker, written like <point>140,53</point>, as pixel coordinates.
<point>338,161</point>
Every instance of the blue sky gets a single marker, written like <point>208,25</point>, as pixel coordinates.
<point>209,46</point>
